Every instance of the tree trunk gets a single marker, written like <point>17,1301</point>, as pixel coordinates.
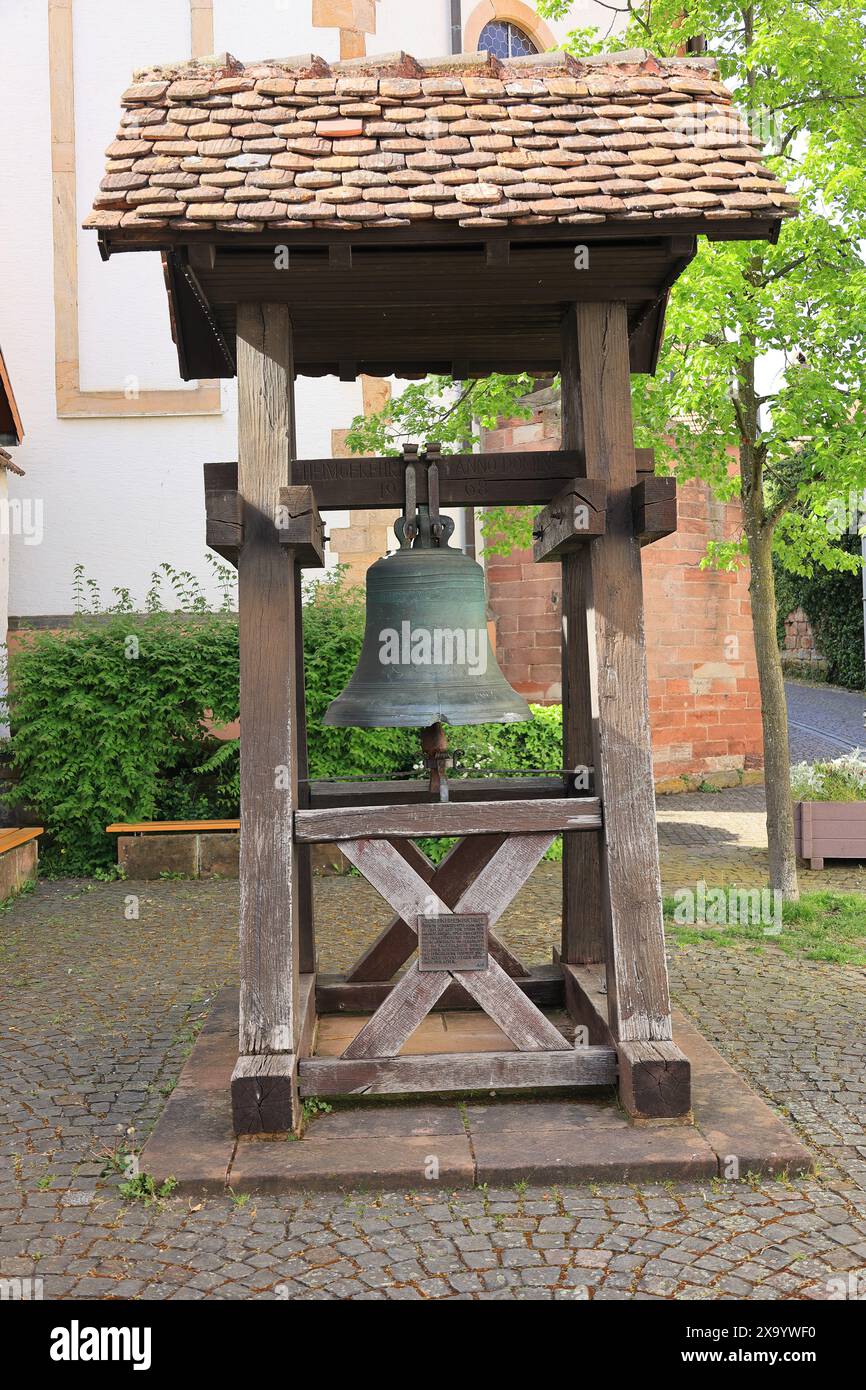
<point>762,592</point>
<point>774,711</point>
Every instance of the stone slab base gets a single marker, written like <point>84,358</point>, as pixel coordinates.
<point>423,1145</point>
<point>209,854</point>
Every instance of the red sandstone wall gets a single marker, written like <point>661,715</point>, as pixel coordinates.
<point>704,704</point>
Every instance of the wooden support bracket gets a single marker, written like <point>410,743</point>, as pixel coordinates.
<point>300,525</point>
<point>225,522</point>
<point>654,509</point>
<point>298,522</point>
<point>571,520</point>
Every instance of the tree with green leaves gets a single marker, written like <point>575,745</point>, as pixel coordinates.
<point>760,389</point>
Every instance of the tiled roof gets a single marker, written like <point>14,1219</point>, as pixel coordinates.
<point>8,463</point>
<point>392,141</point>
<point>11,428</point>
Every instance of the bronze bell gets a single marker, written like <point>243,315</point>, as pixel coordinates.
<point>426,656</point>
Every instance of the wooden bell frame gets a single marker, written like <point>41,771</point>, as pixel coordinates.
<point>600,503</point>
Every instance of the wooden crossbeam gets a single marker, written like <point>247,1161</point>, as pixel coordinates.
<point>504,874</point>
<point>544,984</point>
<point>383,869</point>
<point>465,480</point>
<point>417,991</point>
<point>511,1010</point>
<point>396,1019</point>
<point>493,890</point>
<point>450,1071</point>
<point>449,818</point>
<point>396,942</point>
<point>397,882</point>
<point>331,794</point>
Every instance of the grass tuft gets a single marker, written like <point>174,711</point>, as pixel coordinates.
<point>823,926</point>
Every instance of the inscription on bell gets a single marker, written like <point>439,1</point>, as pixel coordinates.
<point>455,942</point>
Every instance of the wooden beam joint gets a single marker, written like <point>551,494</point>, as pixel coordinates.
<point>574,517</point>
<point>224,524</point>
<point>265,1094</point>
<point>654,509</point>
<point>299,525</point>
<point>654,1080</point>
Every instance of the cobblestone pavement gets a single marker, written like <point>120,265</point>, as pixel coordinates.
<point>100,1011</point>
<point>823,721</point>
<point>721,837</point>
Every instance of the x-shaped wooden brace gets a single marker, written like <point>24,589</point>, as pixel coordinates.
<point>449,880</point>
<point>415,993</point>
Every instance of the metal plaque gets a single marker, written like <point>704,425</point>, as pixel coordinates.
<point>455,942</point>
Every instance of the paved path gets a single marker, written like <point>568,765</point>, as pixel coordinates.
<point>721,837</point>
<point>823,721</point>
<point>101,1008</point>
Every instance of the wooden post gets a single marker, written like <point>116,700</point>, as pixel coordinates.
<point>306,919</point>
<point>264,1084</point>
<point>654,1075</point>
<point>582,929</point>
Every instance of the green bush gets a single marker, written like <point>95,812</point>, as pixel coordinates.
<point>108,724</point>
<point>833,600</point>
<point>111,719</point>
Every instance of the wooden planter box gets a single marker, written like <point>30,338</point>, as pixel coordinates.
<point>830,830</point>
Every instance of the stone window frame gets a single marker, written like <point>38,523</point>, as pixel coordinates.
<point>71,402</point>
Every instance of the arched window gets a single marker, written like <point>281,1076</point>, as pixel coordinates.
<point>505,40</point>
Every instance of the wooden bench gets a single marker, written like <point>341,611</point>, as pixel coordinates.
<point>19,858</point>
<point>194,848</point>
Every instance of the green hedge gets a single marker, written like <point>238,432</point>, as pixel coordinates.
<point>111,721</point>
<point>833,600</point>
<point>108,724</point>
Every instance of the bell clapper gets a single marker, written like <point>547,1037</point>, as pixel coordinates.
<point>434,746</point>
